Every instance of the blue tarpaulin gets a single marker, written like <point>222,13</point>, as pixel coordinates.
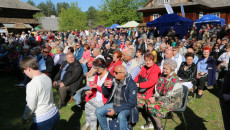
<point>180,24</point>
<point>210,19</point>
<point>114,26</point>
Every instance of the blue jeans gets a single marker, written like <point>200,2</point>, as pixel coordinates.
<point>77,96</point>
<point>85,68</point>
<point>46,125</point>
<point>101,114</point>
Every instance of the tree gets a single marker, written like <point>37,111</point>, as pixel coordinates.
<point>120,11</point>
<point>72,18</point>
<point>92,17</point>
<point>50,8</point>
<point>47,8</point>
<point>31,2</point>
<point>62,5</point>
<point>43,7</point>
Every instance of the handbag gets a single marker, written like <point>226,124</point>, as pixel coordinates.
<point>142,90</point>
<point>140,80</point>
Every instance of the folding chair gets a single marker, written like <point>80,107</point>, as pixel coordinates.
<point>182,109</point>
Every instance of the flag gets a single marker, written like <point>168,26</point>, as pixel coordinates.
<point>182,10</point>
<point>169,8</point>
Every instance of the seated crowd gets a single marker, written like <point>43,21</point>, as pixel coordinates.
<point>113,75</point>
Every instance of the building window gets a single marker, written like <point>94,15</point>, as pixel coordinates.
<point>216,14</point>
<point>166,1</point>
<point>201,14</point>
<point>155,16</point>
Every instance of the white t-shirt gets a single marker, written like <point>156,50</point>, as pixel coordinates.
<point>39,98</point>
<point>99,83</point>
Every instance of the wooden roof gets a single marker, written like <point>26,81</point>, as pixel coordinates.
<point>207,3</point>
<point>18,20</point>
<point>17,4</point>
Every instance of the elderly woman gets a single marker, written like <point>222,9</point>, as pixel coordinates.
<point>140,57</point>
<point>166,87</point>
<point>116,61</point>
<point>95,97</point>
<point>206,71</point>
<point>150,72</point>
<point>187,72</point>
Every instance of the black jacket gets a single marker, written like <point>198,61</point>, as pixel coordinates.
<point>73,76</point>
<point>49,64</point>
<point>108,54</point>
<point>189,75</point>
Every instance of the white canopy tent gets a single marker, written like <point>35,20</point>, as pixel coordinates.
<point>2,31</point>
<point>130,24</point>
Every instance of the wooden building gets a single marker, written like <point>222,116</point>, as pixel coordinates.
<point>17,16</point>
<point>194,9</point>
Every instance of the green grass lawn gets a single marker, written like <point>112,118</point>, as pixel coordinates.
<point>200,114</point>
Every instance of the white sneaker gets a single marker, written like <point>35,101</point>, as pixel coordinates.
<point>85,126</point>
<point>147,126</point>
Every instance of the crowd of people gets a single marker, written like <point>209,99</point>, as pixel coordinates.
<point>116,73</point>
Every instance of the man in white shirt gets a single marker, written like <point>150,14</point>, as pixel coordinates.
<point>39,97</point>
<point>177,57</point>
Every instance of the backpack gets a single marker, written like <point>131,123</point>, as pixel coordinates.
<point>113,124</point>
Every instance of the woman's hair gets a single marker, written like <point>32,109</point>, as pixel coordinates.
<point>86,46</point>
<point>217,44</point>
<point>149,55</point>
<point>141,51</point>
<point>206,48</point>
<point>99,62</point>
<point>228,45</point>
<point>171,63</point>
<point>119,54</point>
<point>28,61</point>
<point>189,55</point>
<point>71,49</point>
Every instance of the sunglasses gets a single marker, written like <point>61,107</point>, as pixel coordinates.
<point>45,52</point>
<point>77,45</point>
<point>116,73</point>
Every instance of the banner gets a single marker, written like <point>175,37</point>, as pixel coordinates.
<point>169,8</point>
<point>182,10</point>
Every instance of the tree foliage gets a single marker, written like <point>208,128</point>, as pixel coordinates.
<point>47,8</point>
<point>72,18</point>
<point>62,5</point>
<point>120,11</point>
<point>92,17</point>
<point>31,2</point>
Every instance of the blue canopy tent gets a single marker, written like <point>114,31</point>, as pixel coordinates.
<point>180,24</point>
<point>113,26</point>
<point>207,19</point>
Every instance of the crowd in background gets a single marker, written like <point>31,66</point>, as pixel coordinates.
<point>159,66</point>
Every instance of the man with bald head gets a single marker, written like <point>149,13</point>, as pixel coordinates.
<point>122,100</point>
<point>168,55</point>
<point>68,79</point>
<point>195,59</point>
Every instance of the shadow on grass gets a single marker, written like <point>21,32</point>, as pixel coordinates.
<point>74,122</point>
<point>193,121</point>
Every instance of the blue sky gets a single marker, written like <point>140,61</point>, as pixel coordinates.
<point>83,4</point>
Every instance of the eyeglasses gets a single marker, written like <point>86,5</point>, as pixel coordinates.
<point>45,52</point>
<point>116,73</point>
<point>97,67</point>
<point>77,45</point>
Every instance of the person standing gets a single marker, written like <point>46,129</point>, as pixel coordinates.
<point>39,97</point>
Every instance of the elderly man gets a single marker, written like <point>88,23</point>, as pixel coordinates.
<point>46,64</point>
<point>177,57</point>
<point>130,63</point>
<point>122,100</point>
<point>168,55</point>
<point>59,57</point>
<point>39,97</point>
<point>195,59</point>
<point>68,79</point>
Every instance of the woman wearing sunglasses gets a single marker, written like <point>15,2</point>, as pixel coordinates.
<point>95,97</point>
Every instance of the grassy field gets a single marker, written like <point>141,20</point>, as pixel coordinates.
<point>200,114</point>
